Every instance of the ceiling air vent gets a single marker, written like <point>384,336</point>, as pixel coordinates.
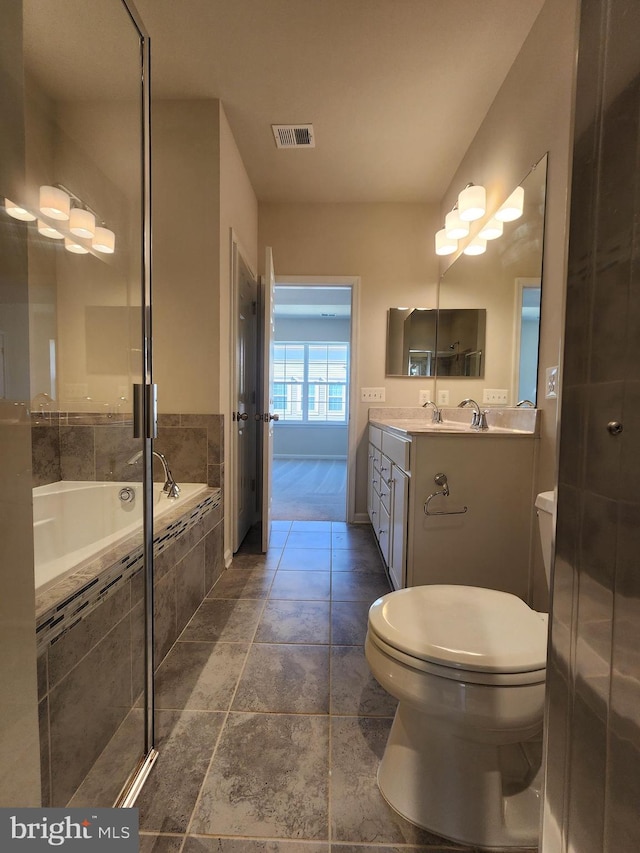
<point>294,135</point>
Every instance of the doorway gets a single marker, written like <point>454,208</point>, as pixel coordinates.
<point>311,355</point>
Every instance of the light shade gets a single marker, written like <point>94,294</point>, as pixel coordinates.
<point>48,231</point>
<point>472,203</point>
<point>82,223</point>
<point>54,203</point>
<point>76,248</point>
<point>477,246</point>
<point>104,241</point>
<point>491,230</point>
<point>444,244</point>
<point>512,207</point>
<point>17,211</point>
<point>454,227</point>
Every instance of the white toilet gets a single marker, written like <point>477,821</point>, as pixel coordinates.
<point>468,666</point>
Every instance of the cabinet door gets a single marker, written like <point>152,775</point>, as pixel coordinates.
<point>370,479</point>
<point>383,532</point>
<point>399,524</point>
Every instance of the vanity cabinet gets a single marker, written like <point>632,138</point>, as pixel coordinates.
<point>481,534</point>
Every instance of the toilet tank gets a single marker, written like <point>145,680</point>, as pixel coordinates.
<point>545,505</point>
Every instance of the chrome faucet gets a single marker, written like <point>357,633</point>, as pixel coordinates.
<point>437,416</point>
<point>479,418</point>
<point>170,488</point>
<point>525,403</point>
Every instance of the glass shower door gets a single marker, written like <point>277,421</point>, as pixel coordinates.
<point>85,197</point>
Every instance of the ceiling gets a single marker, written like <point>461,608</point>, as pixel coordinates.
<point>395,89</point>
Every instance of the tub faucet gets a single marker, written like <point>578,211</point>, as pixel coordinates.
<point>436,417</point>
<point>170,488</point>
<point>479,419</point>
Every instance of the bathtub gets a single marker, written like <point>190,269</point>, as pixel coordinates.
<point>74,522</point>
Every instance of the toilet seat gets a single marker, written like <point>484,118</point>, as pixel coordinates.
<point>463,633</point>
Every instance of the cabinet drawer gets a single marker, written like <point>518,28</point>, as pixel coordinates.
<point>397,449</point>
<point>375,437</point>
<point>385,493</point>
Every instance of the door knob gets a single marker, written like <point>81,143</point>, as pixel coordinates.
<point>269,417</point>
<point>242,416</point>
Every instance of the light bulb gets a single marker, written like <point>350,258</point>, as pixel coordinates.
<point>454,227</point>
<point>444,245</point>
<point>82,223</point>
<point>476,247</point>
<point>17,211</point>
<point>76,248</point>
<point>55,203</point>
<point>491,230</point>
<point>512,207</point>
<point>48,231</point>
<point>104,241</point>
<point>472,203</point>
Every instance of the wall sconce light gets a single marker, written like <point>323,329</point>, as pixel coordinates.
<point>55,203</point>
<point>477,246</point>
<point>513,207</point>
<point>76,248</point>
<point>104,241</point>
<point>454,227</point>
<point>472,203</point>
<point>18,212</point>
<point>491,230</point>
<point>445,245</point>
<point>48,230</point>
<point>82,222</point>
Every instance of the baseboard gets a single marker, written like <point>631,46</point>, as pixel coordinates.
<point>361,518</point>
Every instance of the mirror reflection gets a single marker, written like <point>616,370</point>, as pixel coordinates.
<point>505,281</point>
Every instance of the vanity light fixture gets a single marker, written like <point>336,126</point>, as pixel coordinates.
<point>48,230</point>
<point>76,248</point>
<point>55,203</point>
<point>18,212</point>
<point>513,207</point>
<point>477,246</point>
<point>445,245</point>
<point>82,222</point>
<point>104,241</point>
<point>454,227</point>
<point>491,230</point>
<point>472,203</point>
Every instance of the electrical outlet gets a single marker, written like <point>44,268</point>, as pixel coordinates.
<point>551,386</point>
<point>424,397</point>
<point>443,398</point>
<point>372,395</point>
<point>495,396</point>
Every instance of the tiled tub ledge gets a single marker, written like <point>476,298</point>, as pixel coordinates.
<point>62,606</point>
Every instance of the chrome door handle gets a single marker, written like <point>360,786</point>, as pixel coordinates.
<point>269,417</point>
<point>241,416</point>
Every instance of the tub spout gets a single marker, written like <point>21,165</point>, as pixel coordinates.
<point>170,488</point>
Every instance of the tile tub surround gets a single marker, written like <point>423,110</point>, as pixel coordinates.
<point>91,641</point>
<point>270,715</point>
<point>96,446</point>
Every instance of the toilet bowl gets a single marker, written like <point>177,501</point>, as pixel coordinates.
<point>468,666</point>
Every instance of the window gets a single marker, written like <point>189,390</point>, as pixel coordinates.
<point>310,382</point>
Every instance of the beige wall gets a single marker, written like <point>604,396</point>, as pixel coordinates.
<point>533,113</point>
<point>389,247</point>
<point>186,255</point>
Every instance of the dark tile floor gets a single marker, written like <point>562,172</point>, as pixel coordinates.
<point>270,726</point>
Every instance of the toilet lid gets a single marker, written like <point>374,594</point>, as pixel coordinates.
<point>465,627</point>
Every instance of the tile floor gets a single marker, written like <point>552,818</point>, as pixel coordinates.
<point>270,726</point>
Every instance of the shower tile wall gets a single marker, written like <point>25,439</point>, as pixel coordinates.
<point>593,769</point>
<point>96,446</point>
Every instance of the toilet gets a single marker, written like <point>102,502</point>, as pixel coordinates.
<point>467,665</point>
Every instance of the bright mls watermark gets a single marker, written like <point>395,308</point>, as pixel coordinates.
<point>69,830</point>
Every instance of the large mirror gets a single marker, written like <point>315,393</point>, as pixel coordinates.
<point>425,342</point>
<point>505,281</point>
